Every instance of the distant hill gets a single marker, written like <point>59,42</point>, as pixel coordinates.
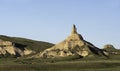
<point>28,43</point>
<point>111,49</point>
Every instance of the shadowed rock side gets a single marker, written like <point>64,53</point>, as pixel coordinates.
<point>73,45</point>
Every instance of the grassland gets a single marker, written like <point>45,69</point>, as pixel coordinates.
<point>65,66</point>
<point>85,64</point>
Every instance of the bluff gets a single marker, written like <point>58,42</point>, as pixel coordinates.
<point>16,46</point>
<point>7,47</point>
<point>72,45</point>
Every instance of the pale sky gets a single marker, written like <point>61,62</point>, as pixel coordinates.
<point>98,21</point>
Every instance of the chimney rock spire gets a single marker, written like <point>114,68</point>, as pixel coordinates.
<point>74,29</point>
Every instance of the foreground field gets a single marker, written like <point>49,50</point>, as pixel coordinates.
<point>75,65</point>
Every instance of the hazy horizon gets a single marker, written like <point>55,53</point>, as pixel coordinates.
<point>51,20</point>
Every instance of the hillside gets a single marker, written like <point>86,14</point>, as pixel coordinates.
<point>73,45</point>
<point>28,43</point>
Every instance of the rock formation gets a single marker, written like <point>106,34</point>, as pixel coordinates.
<point>111,49</point>
<point>10,48</point>
<point>72,45</point>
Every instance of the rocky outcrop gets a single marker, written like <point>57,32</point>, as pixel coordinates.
<point>109,46</point>
<point>111,49</point>
<point>10,48</point>
<point>72,45</point>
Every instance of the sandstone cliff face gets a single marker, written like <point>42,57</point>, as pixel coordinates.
<point>8,47</point>
<point>72,45</point>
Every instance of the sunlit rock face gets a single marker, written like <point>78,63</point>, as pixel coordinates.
<point>72,45</point>
<point>8,47</point>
